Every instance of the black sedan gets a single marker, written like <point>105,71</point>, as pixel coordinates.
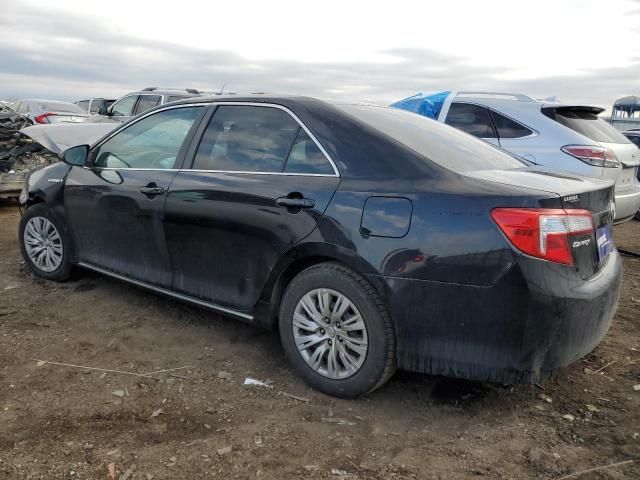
<point>371,238</point>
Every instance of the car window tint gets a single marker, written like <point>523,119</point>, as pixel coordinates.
<point>470,118</point>
<point>306,157</point>
<point>586,123</point>
<point>439,143</point>
<point>508,128</point>
<point>84,104</point>
<point>147,102</point>
<point>123,107</point>
<point>153,142</point>
<point>246,139</point>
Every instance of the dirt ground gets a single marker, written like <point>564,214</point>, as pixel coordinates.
<point>58,422</point>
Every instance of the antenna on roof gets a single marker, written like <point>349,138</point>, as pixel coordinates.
<point>222,89</point>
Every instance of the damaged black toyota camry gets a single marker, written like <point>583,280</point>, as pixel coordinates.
<point>370,238</point>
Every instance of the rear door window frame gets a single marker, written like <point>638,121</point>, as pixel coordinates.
<point>204,123</point>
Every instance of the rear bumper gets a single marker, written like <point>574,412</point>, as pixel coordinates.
<point>537,319</point>
<point>627,203</point>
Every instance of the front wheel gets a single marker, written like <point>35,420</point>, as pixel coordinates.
<point>44,246</point>
<point>336,331</point>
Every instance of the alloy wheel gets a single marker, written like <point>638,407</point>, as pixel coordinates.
<point>43,244</point>
<point>330,333</point>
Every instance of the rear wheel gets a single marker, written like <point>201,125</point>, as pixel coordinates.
<point>336,332</point>
<point>44,245</point>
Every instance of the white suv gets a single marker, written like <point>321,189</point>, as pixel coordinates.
<point>558,136</point>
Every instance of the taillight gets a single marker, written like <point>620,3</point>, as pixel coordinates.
<point>543,232</point>
<point>596,156</point>
<point>42,118</point>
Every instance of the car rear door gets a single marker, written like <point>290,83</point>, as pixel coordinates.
<point>115,208</point>
<point>258,184</point>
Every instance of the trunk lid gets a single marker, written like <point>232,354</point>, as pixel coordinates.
<point>568,191</point>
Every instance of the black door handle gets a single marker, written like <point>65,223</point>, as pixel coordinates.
<point>295,202</point>
<point>152,189</point>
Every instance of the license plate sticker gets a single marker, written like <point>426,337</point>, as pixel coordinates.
<point>605,241</point>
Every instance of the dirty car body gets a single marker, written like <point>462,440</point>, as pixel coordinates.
<point>433,224</point>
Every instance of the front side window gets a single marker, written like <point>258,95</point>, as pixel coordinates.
<point>153,142</point>
<point>124,107</point>
<point>472,119</point>
<point>147,102</point>
<point>247,139</point>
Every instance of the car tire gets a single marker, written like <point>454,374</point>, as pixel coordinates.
<point>637,215</point>
<point>362,350</point>
<point>44,244</point>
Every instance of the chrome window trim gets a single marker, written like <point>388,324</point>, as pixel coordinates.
<point>250,104</point>
<point>166,291</point>
<point>534,132</point>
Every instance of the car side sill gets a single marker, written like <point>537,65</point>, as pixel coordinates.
<point>169,293</point>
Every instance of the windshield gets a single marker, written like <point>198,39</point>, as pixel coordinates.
<point>61,107</point>
<point>447,146</point>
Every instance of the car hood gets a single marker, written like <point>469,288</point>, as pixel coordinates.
<point>58,138</point>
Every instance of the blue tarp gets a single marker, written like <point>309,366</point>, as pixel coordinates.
<point>427,105</point>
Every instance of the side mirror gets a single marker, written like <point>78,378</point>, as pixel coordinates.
<point>76,156</point>
<point>103,111</point>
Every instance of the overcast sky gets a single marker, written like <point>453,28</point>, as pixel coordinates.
<point>584,51</point>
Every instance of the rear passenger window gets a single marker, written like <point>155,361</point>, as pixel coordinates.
<point>472,119</point>
<point>508,128</point>
<point>306,157</point>
<point>246,139</point>
<point>84,104</point>
<point>147,102</point>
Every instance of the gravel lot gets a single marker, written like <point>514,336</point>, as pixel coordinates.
<point>58,422</point>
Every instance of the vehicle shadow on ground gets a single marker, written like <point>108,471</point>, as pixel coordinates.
<point>263,346</point>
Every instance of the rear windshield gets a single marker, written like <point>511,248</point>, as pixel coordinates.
<point>61,107</point>
<point>447,146</point>
<point>586,123</point>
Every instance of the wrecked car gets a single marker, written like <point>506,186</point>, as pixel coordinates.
<point>369,237</point>
<point>24,148</point>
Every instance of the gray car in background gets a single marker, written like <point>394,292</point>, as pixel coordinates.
<point>50,111</point>
<point>561,137</point>
<point>135,103</point>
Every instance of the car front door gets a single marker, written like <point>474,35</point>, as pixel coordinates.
<point>259,183</point>
<point>115,206</point>
<point>473,119</point>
